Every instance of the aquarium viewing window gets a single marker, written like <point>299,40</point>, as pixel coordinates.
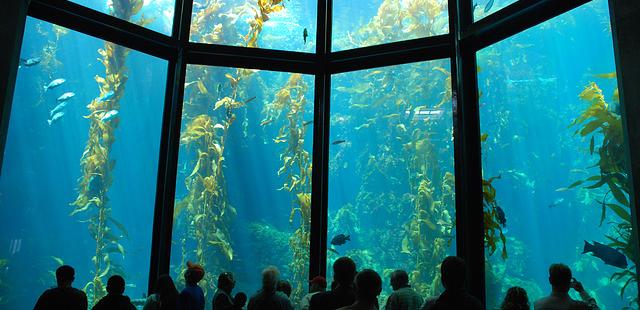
<point>139,135</point>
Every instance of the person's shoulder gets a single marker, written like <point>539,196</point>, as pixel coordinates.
<point>540,302</point>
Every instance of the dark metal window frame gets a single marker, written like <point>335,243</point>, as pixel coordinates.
<point>465,38</point>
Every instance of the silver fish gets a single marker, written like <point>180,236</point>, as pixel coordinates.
<point>29,62</point>
<point>53,84</point>
<point>109,115</point>
<point>58,108</point>
<point>55,117</point>
<point>66,96</point>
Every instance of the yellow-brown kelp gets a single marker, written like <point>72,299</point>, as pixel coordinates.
<point>96,164</point>
<point>599,119</point>
<point>287,110</point>
<point>399,20</point>
<point>492,230</point>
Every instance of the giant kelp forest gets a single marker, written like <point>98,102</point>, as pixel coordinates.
<point>92,203</point>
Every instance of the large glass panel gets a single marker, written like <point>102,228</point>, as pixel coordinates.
<point>273,24</point>
<point>366,23</point>
<point>156,15</point>
<point>553,145</point>
<point>391,177</point>
<point>243,197</point>
<point>79,171</point>
<point>482,9</point>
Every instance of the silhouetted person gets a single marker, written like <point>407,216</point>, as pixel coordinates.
<point>317,285</point>
<point>285,287</point>
<point>267,298</point>
<point>454,297</point>
<point>342,292</point>
<point>368,286</point>
<point>516,299</point>
<point>114,299</point>
<point>222,299</point>
<point>561,282</point>
<point>192,296</point>
<point>404,297</point>
<point>165,296</point>
<point>63,296</point>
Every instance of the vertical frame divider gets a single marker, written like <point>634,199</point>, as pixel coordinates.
<point>169,147</point>
<point>321,117</point>
<point>626,43</point>
<point>14,18</point>
<point>467,150</point>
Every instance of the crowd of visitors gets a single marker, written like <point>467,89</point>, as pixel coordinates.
<point>350,290</point>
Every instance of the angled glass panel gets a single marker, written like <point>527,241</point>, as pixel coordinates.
<point>79,171</point>
<point>365,23</point>
<point>391,174</point>
<point>243,193</point>
<point>484,8</point>
<point>156,15</point>
<point>553,151</point>
<point>272,24</point>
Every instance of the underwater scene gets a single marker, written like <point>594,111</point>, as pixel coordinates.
<point>556,185</point>
<point>391,176</point>
<point>79,171</point>
<point>80,166</point>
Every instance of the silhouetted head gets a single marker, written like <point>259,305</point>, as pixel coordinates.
<point>165,285</point>
<point>240,299</point>
<point>318,284</point>
<point>65,275</point>
<point>270,276</point>
<point>399,279</point>
<point>515,299</point>
<point>115,285</point>
<point>167,291</point>
<point>194,273</point>
<point>344,270</point>
<point>285,287</point>
<point>453,272</point>
<point>368,285</point>
<point>560,277</point>
<point>226,282</point>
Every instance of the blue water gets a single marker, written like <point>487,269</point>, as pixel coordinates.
<point>41,166</point>
<point>390,166</point>
<point>530,85</point>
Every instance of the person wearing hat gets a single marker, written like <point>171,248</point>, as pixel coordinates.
<point>192,296</point>
<point>316,285</point>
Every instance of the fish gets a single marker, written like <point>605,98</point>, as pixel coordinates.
<point>305,34</point>
<point>107,96</point>
<point>266,122</point>
<point>333,250</point>
<point>250,99</point>
<point>29,62</point>
<point>610,75</point>
<point>66,96</point>
<point>488,6</point>
<point>502,219</point>
<point>187,84</point>
<point>53,84</point>
<point>58,108</point>
<point>607,254</point>
<point>556,203</point>
<point>336,142</point>
<point>109,115</point>
<point>55,117</point>
<point>307,123</point>
<point>340,239</point>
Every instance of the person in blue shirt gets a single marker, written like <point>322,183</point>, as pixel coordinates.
<point>192,296</point>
